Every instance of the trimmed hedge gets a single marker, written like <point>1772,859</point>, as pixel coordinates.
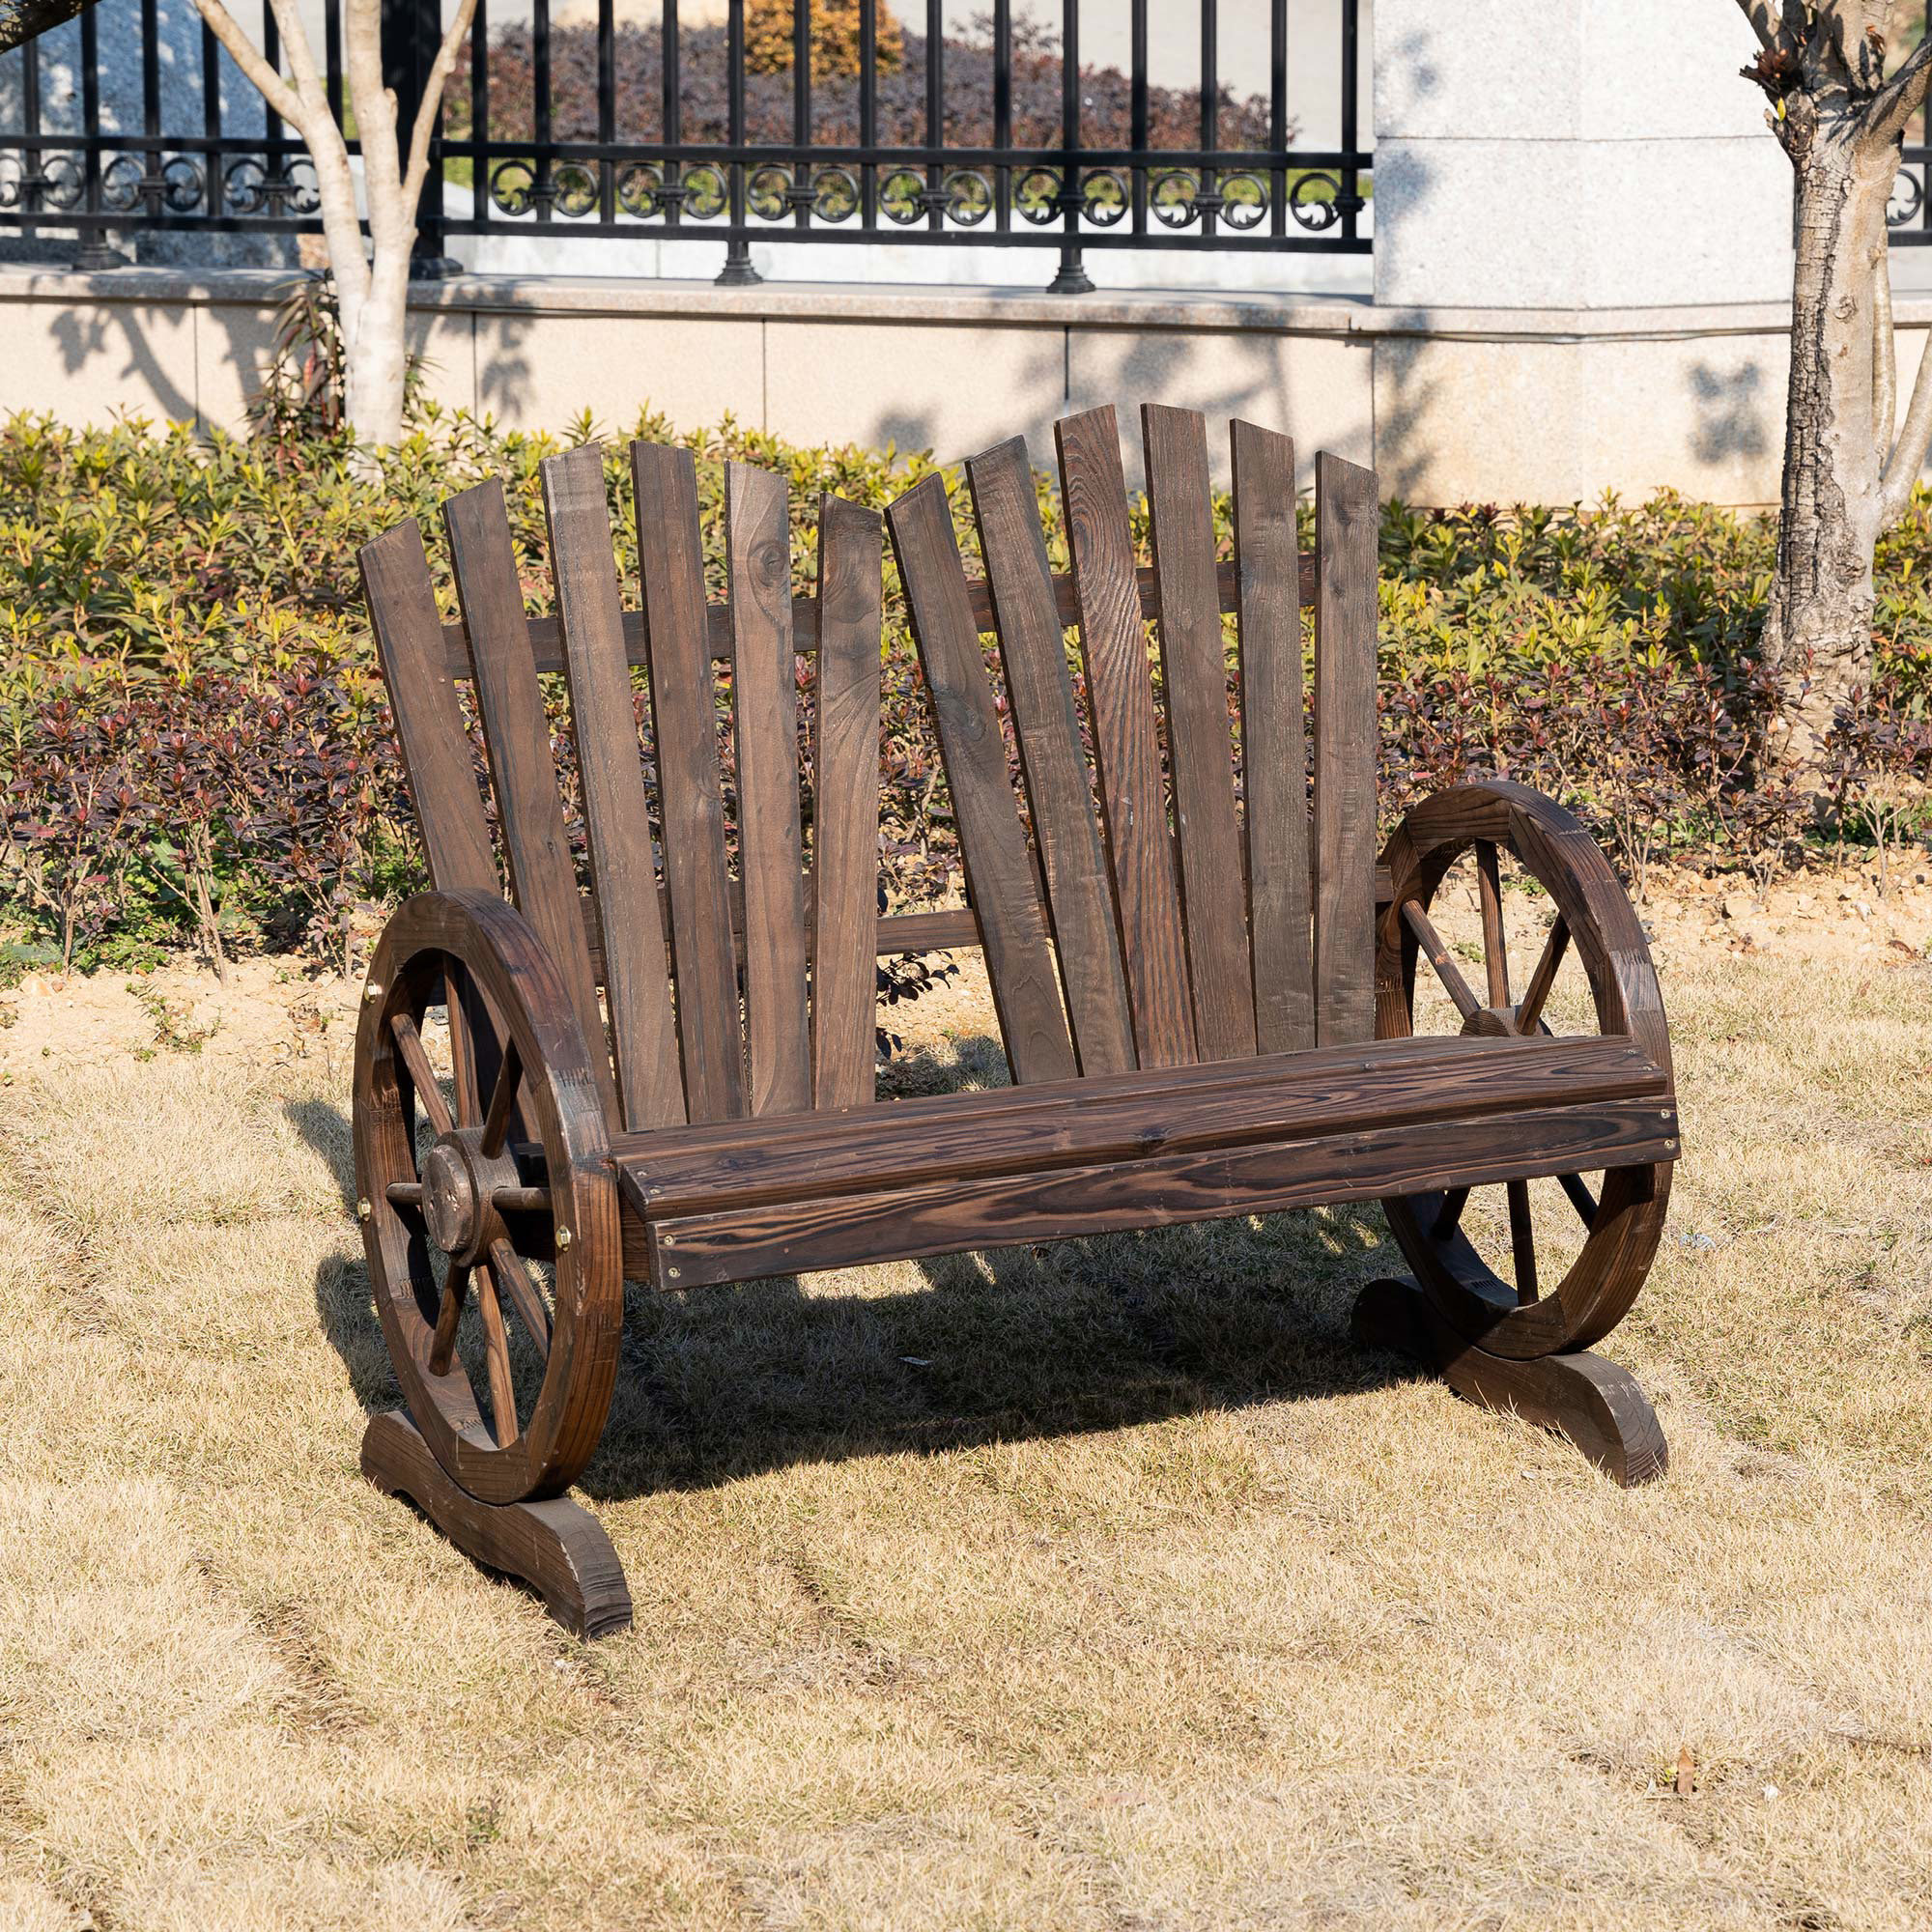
<point>194,746</point>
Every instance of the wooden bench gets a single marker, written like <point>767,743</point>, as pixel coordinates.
<point>1206,985</point>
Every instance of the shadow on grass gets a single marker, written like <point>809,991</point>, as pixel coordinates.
<point>950,1352</point>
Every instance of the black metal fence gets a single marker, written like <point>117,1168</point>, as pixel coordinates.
<point>646,127</point>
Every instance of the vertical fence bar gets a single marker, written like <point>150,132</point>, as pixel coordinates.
<point>737,271</point>
<point>606,109</point>
<point>332,54</point>
<point>96,251</point>
<point>868,110</point>
<point>35,172</point>
<point>1003,112</point>
<point>1278,113</point>
<point>935,111</point>
<point>1206,197</point>
<point>673,115</point>
<point>1137,133</point>
<point>479,111</point>
<point>150,103</point>
<point>412,31</point>
<point>1351,197</point>
<point>543,190</point>
<point>799,174</point>
<point>274,165</point>
<point>214,189</point>
<point>1073,278</point>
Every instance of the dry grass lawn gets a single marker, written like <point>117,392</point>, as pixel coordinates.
<point>1103,1586</point>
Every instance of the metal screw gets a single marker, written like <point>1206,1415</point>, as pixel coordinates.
<point>363,1210</point>
<point>672,1273</point>
<point>1670,1147</point>
<point>564,1237</point>
<point>372,991</point>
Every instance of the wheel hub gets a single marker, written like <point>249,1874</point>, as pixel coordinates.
<point>458,1186</point>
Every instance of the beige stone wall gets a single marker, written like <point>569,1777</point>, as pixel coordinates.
<point>1449,404</point>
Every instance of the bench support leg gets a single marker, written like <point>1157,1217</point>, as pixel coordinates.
<point>557,1547</point>
<point>1597,1405</point>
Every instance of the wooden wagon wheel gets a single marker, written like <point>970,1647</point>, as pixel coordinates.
<point>1614,1218</point>
<point>500,1210</point>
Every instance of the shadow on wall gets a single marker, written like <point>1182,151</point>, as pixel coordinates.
<point>84,339</point>
<point>1731,422</point>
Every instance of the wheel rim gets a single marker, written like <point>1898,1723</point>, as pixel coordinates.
<point>490,1215</point>
<point>1484,1256</point>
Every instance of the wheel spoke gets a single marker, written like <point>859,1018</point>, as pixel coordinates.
<point>1449,1213</point>
<point>1581,1198</point>
<point>1531,1011</point>
<point>497,1348</point>
<point>522,1199</point>
<point>408,1043</point>
<point>442,1344</point>
<point>1430,941</point>
<point>503,1102</point>
<point>513,1279</point>
<point>404,1193</point>
<point>1522,1239</point>
<point>1495,953</point>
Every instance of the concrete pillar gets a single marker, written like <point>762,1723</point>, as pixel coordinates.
<point>1590,187</point>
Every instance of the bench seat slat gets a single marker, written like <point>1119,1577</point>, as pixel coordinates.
<point>1194,678</point>
<point>1274,739</point>
<point>632,957</point>
<point>764,696</point>
<point>684,724</point>
<point>522,770</point>
<point>1066,831</point>
<point>844,900</point>
<point>1066,1203</point>
<point>907,1143</point>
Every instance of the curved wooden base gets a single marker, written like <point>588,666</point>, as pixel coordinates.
<point>557,1547</point>
<point>1597,1405</point>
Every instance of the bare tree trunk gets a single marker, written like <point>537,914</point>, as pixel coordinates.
<point>21,20</point>
<point>1818,631</point>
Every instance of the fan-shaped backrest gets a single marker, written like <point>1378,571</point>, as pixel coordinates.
<point>1173,915</point>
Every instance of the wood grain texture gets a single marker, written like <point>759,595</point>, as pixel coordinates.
<point>771,856</point>
<point>684,717</point>
<point>558,1548</point>
<point>1064,1203</point>
<point>1348,524</point>
<point>1200,739</point>
<point>992,843</point>
<point>1274,739</point>
<point>436,759</point>
<point>603,722</point>
<point>844,908</point>
<point>1595,1404</point>
<point>1123,1115</point>
<point>547,647</point>
<point>522,771</point>
<point>1120,696</point>
<point>1060,794</point>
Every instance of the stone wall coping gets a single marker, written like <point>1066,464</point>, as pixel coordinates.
<point>1285,314</point>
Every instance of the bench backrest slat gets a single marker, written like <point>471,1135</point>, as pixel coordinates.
<point>1194,679</point>
<point>1040,688</point>
<point>616,815</point>
<point>1346,529</point>
<point>1119,693</point>
<point>684,717</point>
<point>999,869</point>
<point>764,696</point>
<point>1274,741</point>
<point>845,806</point>
<point>522,771</point>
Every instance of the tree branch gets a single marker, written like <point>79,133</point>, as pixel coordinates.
<point>21,20</point>
<point>1772,30</point>
<point>432,101</point>
<point>1897,101</point>
<point>1885,355</point>
<point>1908,453</point>
<point>242,51</point>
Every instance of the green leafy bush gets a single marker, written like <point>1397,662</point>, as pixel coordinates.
<point>194,746</point>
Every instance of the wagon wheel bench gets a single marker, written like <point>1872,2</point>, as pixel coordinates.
<point>1211,997</point>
